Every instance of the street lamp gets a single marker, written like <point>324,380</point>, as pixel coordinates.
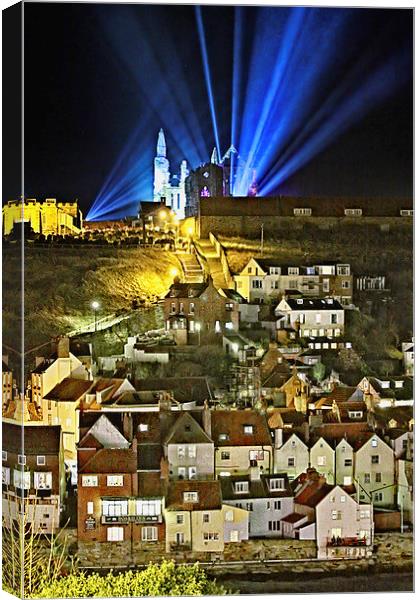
<point>95,305</point>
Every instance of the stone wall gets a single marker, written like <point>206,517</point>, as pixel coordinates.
<point>246,226</point>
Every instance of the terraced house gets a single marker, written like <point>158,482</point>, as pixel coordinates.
<point>240,436</point>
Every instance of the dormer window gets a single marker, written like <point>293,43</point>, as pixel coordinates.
<point>277,484</point>
<point>241,487</point>
<point>190,496</point>
<point>223,437</point>
<point>249,429</point>
<point>293,271</point>
<point>143,427</point>
<point>299,301</point>
<point>190,293</point>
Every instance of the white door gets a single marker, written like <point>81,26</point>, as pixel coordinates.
<point>234,535</point>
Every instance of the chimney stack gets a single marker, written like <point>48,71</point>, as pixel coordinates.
<point>128,426</point>
<point>254,471</point>
<point>278,438</point>
<point>207,418</point>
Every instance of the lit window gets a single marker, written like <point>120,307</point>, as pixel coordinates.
<point>89,480</point>
<point>210,536</point>
<point>89,508</point>
<point>148,508</point>
<point>22,479</point>
<point>241,487</point>
<point>302,212</point>
<point>191,451</point>
<point>190,496</point>
<point>249,429</point>
<point>256,455</point>
<point>115,480</point>
<point>149,534</point>
<point>115,534</point>
<point>143,427</point>
<point>115,508</point>
<point>277,484</point>
<point>229,515</point>
<point>353,212</point>
<point>42,481</point>
<point>223,437</point>
<point>5,475</point>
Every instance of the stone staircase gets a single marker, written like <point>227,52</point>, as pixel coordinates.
<point>192,270</point>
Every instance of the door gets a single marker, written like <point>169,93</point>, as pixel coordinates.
<point>234,535</point>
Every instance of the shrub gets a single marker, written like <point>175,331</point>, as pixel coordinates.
<point>164,579</point>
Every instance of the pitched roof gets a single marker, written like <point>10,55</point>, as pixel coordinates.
<point>106,434</point>
<point>184,389</point>
<point>186,430</point>
<point>36,439</point>
<point>313,493</point>
<point>111,460</point>
<point>259,488</point>
<point>233,295</point>
<point>314,304</point>
<point>186,290</point>
<point>69,390</point>
<point>232,424</point>
<point>209,495</point>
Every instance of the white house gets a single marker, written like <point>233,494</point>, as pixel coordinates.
<point>311,317</point>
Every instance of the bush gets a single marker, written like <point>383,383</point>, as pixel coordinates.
<point>164,579</point>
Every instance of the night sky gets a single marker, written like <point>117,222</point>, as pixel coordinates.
<point>83,100</point>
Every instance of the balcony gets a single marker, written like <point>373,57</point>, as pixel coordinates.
<point>346,542</point>
<point>126,519</point>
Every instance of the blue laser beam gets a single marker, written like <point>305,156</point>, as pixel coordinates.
<point>207,75</point>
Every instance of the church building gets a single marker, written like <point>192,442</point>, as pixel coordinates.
<point>172,188</point>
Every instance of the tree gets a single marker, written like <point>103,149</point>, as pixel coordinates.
<point>30,559</point>
<point>318,371</point>
<point>163,579</point>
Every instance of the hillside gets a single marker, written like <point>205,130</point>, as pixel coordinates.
<point>62,282</point>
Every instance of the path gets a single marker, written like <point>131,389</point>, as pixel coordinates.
<point>193,273</point>
<point>208,251</point>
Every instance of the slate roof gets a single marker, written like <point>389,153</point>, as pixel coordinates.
<point>233,295</point>
<point>232,422</point>
<point>186,290</point>
<point>293,518</point>
<point>69,390</point>
<point>150,485</point>
<point>314,304</point>
<point>106,434</point>
<point>184,389</point>
<point>312,494</point>
<point>37,439</point>
<point>111,460</point>
<point>186,430</point>
<point>256,488</point>
<point>209,495</point>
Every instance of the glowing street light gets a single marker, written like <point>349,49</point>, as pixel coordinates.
<point>174,272</point>
<point>95,305</point>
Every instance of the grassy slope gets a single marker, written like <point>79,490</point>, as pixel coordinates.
<point>60,284</point>
<point>366,248</point>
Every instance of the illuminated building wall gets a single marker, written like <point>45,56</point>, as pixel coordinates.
<point>172,188</point>
<point>47,217</point>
